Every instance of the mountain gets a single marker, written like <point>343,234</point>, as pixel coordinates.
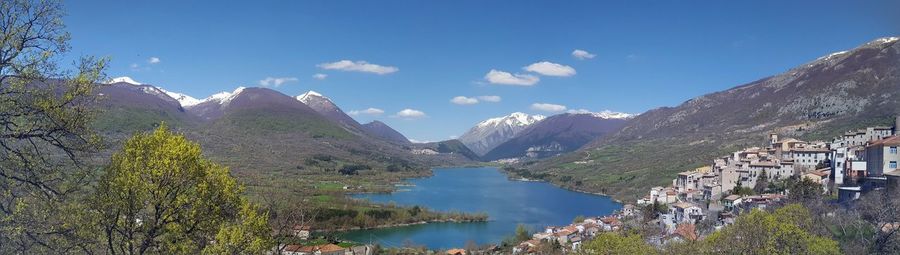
<point>556,134</point>
<point>817,100</point>
<point>451,147</point>
<point>272,142</point>
<point>183,99</point>
<point>492,132</point>
<point>129,106</point>
<point>383,131</point>
<point>325,107</point>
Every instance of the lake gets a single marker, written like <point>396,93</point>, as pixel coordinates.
<point>508,203</point>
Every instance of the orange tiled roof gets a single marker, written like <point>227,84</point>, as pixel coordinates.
<point>688,231</point>
<point>456,251</point>
<point>890,140</point>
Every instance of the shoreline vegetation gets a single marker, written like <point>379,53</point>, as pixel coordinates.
<point>516,174</point>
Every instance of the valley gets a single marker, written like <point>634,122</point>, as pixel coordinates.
<point>457,128</point>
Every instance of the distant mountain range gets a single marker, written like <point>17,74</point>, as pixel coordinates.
<point>489,133</point>
<point>817,100</point>
<point>557,134</point>
<point>262,133</point>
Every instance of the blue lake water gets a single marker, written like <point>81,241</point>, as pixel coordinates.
<point>508,203</point>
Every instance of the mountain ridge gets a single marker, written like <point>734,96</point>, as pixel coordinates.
<point>815,100</point>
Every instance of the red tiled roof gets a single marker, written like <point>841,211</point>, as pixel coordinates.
<point>687,231</point>
<point>890,140</point>
<point>456,252</point>
<point>313,248</point>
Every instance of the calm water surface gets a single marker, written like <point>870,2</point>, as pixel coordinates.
<point>508,203</point>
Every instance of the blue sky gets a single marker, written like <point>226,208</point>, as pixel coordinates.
<point>422,54</point>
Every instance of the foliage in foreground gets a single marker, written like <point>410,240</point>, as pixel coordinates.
<point>160,195</point>
<point>45,111</point>
<point>787,230</point>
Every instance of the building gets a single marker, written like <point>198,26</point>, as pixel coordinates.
<point>882,156</point>
<point>731,202</point>
<point>686,213</point>
<point>809,157</point>
<point>301,231</point>
<point>327,249</point>
<point>456,252</point>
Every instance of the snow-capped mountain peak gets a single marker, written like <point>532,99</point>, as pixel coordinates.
<point>514,119</point>
<point>494,131</point>
<point>305,97</point>
<point>605,114</point>
<point>224,96</point>
<point>182,98</point>
<point>887,39</point>
<point>124,79</point>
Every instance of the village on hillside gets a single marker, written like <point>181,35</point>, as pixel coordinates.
<point>712,196</point>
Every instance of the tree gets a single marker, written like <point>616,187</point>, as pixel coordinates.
<point>804,190</point>
<point>762,182</point>
<point>249,235</point>
<point>614,243</point>
<point>45,110</point>
<point>578,219</point>
<point>522,233</point>
<point>785,231</point>
<point>739,189</point>
<point>160,195</point>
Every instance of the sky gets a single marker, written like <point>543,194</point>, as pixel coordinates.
<point>433,69</point>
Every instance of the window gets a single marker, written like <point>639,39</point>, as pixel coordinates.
<point>893,165</point>
<point>893,149</point>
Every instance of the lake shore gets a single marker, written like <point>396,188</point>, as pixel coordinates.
<point>508,200</point>
<point>400,225</point>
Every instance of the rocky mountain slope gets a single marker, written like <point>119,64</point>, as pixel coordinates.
<point>489,133</point>
<point>324,106</point>
<point>555,135</point>
<point>816,100</point>
<point>383,131</point>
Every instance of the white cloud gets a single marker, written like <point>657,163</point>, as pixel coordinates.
<point>492,99</point>
<point>453,137</point>
<point>550,69</point>
<point>410,114</point>
<point>461,100</point>
<point>505,78</point>
<point>548,107</point>
<point>154,60</point>
<point>275,82</point>
<point>358,66</point>
<point>320,76</point>
<point>369,111</point>
<point>582,54</point>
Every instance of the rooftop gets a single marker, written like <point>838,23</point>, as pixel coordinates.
<point>890,140</point>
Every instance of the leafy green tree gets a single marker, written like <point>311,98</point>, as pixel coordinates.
<point>615,243</point>
<point>45,113</point>
<point>159,195</point>
<point>786,231</point>
<point>249,235</point>
<point>804,190</point>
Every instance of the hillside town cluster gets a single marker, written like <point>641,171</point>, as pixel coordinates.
<point>850,165</point>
